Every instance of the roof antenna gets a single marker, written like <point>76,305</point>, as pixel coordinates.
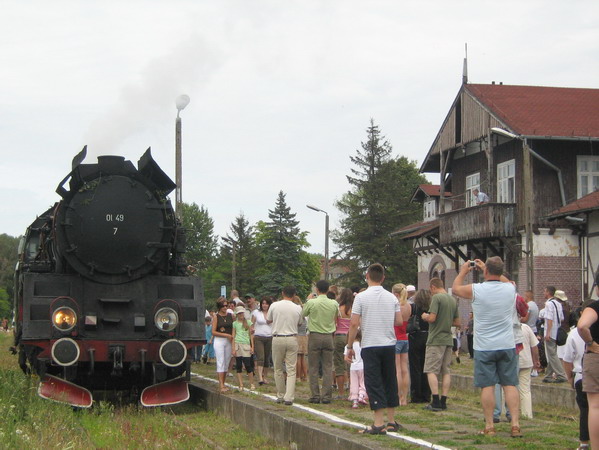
<point>465,69</point>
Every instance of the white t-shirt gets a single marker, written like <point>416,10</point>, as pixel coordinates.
<point>357,363</point>
<point>529,341</point>
<point>285,316</point>
<point>376,308</point>
<point>573,352</point>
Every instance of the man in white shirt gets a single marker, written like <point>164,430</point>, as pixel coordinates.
<point>554,316</point>
<point>480,197</point>
<point>375,312</point>
<point>285,316</point>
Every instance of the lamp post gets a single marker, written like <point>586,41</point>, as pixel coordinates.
<point>326,239</point>
<point>234,268</point>
<point>181,102</point>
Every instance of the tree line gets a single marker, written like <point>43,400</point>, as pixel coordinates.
<point>273,253</point>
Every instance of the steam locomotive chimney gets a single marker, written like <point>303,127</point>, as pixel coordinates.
<point>110,163</point>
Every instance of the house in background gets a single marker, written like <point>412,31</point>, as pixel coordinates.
<point>532,150</point>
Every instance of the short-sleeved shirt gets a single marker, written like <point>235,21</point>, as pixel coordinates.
<point>529,340</point>
<point>554,312</point>
<point>446,309</point>
<point>242,336</point>
<point>323,313</point>
<point>285,316</point>
<point>533,315</point>
<point>493,304</point>
<point>376,308</point>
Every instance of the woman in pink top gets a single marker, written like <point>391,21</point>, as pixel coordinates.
<point>401,346</point>
<point>346,300</point>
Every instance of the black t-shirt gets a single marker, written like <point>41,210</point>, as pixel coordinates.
<point>595,326</point>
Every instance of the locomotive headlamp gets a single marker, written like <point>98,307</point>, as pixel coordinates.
<point>166,319</point>
<point>64,318</point>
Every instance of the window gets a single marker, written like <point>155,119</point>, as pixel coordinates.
<point>472,182</point>
<point>430,212</point>
<point>506,182</point>
<point>588,175</point>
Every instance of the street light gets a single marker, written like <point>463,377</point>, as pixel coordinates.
<point>234,269</point>
<point>326,239</point>
<point>181,102</point>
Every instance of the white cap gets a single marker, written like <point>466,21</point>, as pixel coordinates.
<point>410,288</point>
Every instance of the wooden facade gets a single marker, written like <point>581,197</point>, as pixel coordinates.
<point>487,126</point>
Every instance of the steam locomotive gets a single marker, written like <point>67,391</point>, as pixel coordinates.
<point>103,300</point>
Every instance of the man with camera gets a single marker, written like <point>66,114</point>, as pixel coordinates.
<point>495,357</point>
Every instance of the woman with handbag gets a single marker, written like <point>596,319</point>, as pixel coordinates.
<point>420,391</point>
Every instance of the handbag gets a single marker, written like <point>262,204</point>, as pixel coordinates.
<point>562,336</point>
<point>413,322</point>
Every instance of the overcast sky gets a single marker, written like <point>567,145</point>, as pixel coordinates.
<point>281,91</point>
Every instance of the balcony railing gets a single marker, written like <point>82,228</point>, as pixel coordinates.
<point>478,222</point>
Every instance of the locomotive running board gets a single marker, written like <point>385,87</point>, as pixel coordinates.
<point>166,393</point>
<point>62,391</point>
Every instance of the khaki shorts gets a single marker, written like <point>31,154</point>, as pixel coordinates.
<point>590,373</point>
<point>302,345</point>
<point>437,359</point>
<point>243,350</point>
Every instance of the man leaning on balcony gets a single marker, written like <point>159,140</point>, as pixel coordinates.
<point>480,197</point>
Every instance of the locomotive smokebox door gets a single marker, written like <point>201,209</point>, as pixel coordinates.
<point>115,229</point>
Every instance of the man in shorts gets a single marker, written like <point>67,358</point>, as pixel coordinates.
<point>442,315</point>
<point>495,358</point>
<point>375,311</point>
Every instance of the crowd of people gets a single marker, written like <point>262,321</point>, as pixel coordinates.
<point>385,349</point>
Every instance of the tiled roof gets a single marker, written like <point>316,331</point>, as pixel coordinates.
<point>432,190</point>
<point>589,202</point>
<point>542,111</point>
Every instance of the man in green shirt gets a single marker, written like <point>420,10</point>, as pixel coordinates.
<point>443,313</point>
<point>322,313</point>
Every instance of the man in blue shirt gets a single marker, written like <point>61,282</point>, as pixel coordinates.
<point>495,357</point>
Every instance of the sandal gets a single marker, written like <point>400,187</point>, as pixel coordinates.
<point>516,432</point>
<point>374,430</point>
<point>395,427</point>
<point>487,432</point>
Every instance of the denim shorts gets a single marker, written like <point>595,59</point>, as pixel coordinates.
<point>401,347</point>
<point>495,367</point>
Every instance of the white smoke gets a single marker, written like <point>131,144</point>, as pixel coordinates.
<point>150,103</point>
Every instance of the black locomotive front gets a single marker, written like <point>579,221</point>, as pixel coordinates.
<point>102,295</point>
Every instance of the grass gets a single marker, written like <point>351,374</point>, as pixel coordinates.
<point>30,422</point>
<point>551,428</point>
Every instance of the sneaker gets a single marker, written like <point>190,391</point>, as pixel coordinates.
<point>288,403</point>
<point>534,373</point>
<point>314,400</point>
<point>355,405</point>
<point>279,400</point>
<point>458,360</point>
<point>433,407</point>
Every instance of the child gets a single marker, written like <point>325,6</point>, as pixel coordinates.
<point>208,351</point>
<point>357,389</point>
<point>243,347</point>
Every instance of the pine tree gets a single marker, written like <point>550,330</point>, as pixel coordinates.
<point>242,236</point>
<point>282,260</point>
<point>377,204</point>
